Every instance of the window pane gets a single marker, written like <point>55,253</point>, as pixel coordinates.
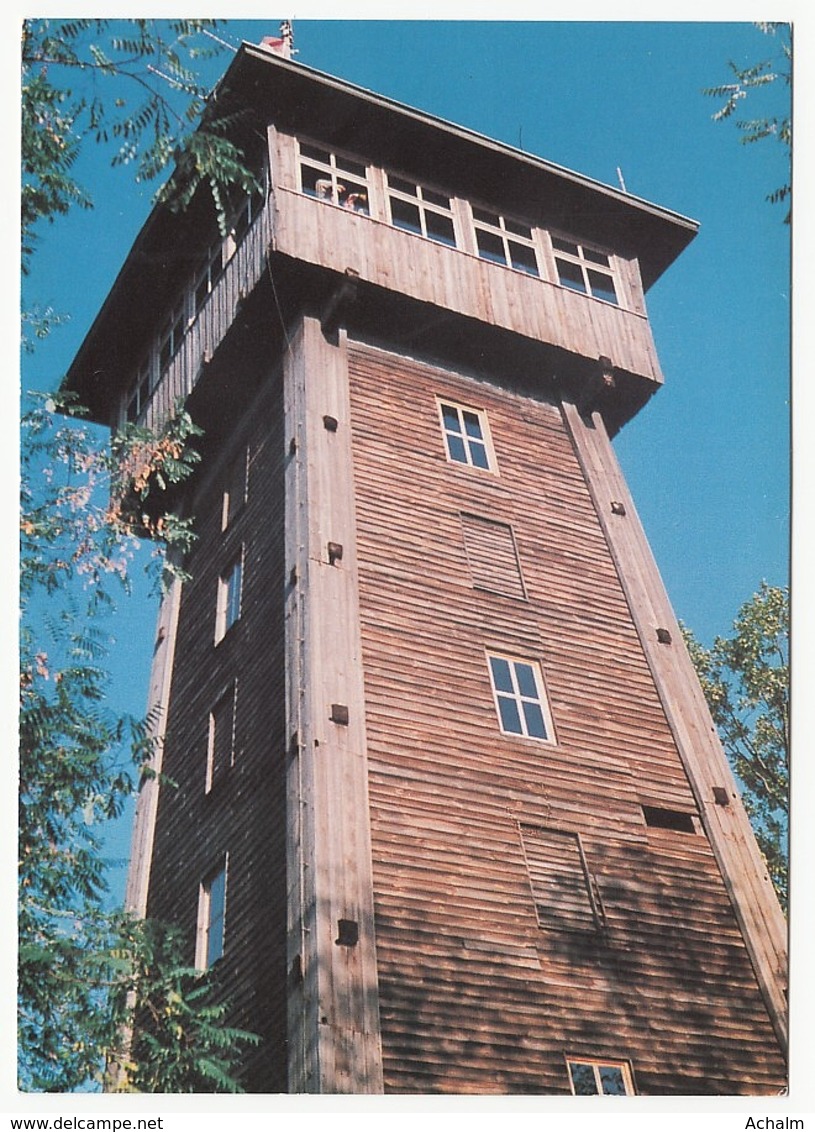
<point>611,1077</point>
<point>440,228</point>
<point>571,275</point>
<point>472,425</point>
<point>456,449</point>
<point>510,718</point>
<point>595,257</point>
<point>490,246</point>
<point>478,455</point>
<point>314,151</point>
<point>401,185</point>
<point>316,182</point>
<point>435,198</point>
<point>215,927</point>
<point>602,286</point>
<point>451,418</point>
<point>354,197</point>
<point>523,258</point>
<point>518,229</point>
<point>501,674</point>
<point>565,246</point>
<point>486,217</point>
<point>526,680</point>
<point>352,167</point>
<point>535,727</point>
<point>405,215</point>
<point>583,1079</point>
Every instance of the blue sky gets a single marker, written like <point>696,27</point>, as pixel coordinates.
<point>708,458</point>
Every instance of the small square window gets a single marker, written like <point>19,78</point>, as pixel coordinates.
<point>572,261</point>
<point>466,436</point>
<point>420,210</point>
<point>600,1078</point>
<point>520,698</point>
<point>228,608</point>
<point>211,919</point>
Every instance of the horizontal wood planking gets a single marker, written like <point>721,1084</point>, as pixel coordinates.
<point>319,233</point>
<point>448,789</point>
<point>244,815</point>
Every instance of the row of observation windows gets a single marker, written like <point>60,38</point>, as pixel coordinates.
<point>433,214</point>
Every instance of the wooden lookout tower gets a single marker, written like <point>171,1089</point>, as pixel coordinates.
<point>451,815</point>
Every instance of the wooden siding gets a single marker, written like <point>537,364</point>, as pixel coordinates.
<point>243,816</point>
<point>474,996</point>
<point>208,329</point>
<point>319,233</point>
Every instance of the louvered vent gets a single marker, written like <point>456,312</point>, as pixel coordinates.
<point>493,556</point>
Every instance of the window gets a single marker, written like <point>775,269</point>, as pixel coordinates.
<point>420,210</point>
<point>466,435</point>
<point>235,490</point>
<point>209,272</point>
<point>331,177</point>
<point>211,915</point>
<point>566,895</point>
<point>584,269</point>
<point>600,1078</point>
<point>492,556</point>
<point>505,241</point>
<point>677,820</point>
<point>229,599</point>
<point>221,738</point>
<point>519,697</point>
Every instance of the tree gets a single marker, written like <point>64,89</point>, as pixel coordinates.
<point>745,679</point>
<point>86,973</point>
<point>156,114</point>
<point>760,78</point>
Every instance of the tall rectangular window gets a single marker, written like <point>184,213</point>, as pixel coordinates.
<point>334,178</point>
<point>228,608</point>
<point>221,738</point>
<point>600,1078</point>
<point>584,269</point>
<point>565,893</point>
<point>421,210</point>
<point>466,435</point>
<point>235,488</point>
<point>492,556</point>
<point>519,697</point>
<point>505,241</point>
<point>211,919</point>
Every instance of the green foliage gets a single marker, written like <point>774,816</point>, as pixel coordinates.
<point>83,514</point>
<point>745,679</point>
<point>180,1043</point>
<point>131,85</point>
<point>751,81</point>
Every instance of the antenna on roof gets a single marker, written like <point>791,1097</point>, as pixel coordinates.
<point>621,180</point>
<point>282,44</point>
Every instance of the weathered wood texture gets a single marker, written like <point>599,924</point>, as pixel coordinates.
<point>333,1005</point>
<point>243,817</point>
<point>475,997</point>
<point>727,826</point>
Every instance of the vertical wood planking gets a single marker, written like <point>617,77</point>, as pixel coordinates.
<point>727,827</point>
<point>333,1010</point>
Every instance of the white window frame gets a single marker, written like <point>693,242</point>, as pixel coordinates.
<point>467,442</point>
<point>519,698</point>
<point>584,262</point>
<point>228,605</point>
<point>502,230</point>
<point>334,172</point>
<point>233,502</point>
<point>203,960</point>
<point>423,207</point>
<point>602,1063</point>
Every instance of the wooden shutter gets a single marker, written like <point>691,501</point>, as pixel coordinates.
<point>560,880</point>
<point>492,555</point>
